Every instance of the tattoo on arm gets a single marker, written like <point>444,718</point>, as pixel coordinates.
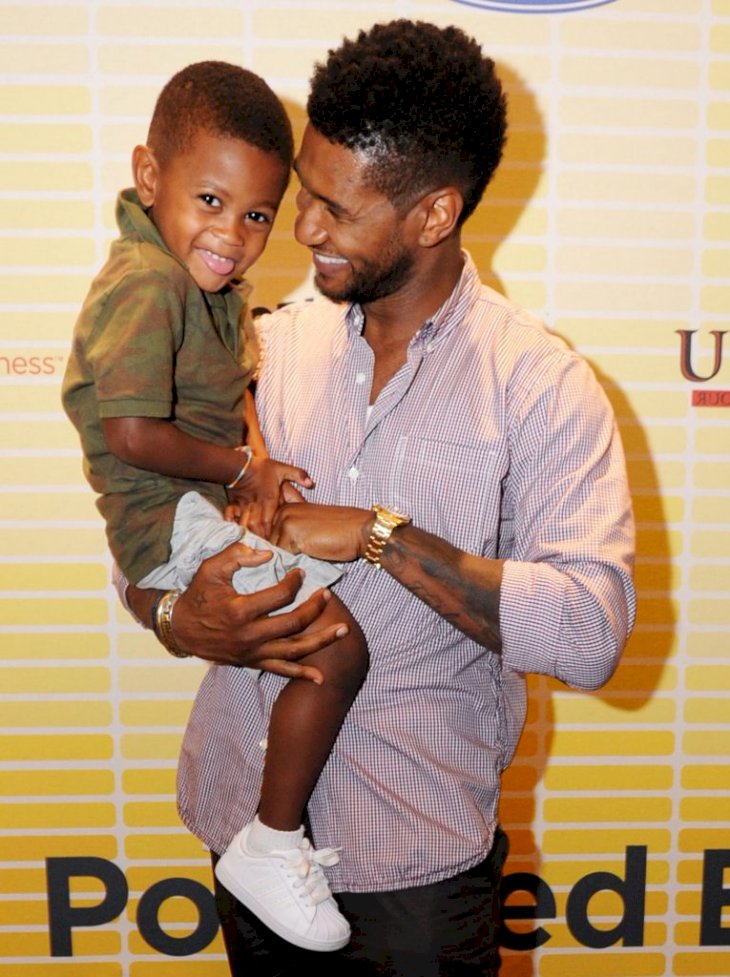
<point>462,588</point>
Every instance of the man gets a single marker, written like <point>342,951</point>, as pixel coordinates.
<point>468,473</point>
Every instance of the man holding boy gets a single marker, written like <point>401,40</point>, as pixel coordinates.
<point>467,470</point>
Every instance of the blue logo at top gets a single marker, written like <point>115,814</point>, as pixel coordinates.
<point>535,6</point>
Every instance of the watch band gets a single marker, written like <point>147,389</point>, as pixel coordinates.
<point>385,522</point>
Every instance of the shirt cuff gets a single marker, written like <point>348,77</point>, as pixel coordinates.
<point>121,584</point>
<point>530,616</point>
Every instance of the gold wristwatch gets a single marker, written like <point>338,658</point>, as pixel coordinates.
<point>386,520</point>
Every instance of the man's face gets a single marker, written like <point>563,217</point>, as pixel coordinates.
<point>357,238</point>
<point>215,204</point>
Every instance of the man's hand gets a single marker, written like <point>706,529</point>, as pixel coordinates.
<point>213,622</point>
<point>328,532</point>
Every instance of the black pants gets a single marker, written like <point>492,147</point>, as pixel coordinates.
<point>448,929</point>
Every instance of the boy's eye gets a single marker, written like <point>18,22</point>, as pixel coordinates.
<point>258,217</point>
<point>210,199</point>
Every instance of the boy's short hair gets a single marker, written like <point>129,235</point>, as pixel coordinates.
<point>223,99</point>
<point>422,103</point>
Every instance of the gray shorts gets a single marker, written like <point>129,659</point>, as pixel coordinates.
<point>200,531</point>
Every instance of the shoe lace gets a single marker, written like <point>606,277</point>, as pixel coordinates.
<point>306,865</point>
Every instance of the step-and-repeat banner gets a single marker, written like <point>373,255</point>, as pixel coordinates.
<point>610,217</point>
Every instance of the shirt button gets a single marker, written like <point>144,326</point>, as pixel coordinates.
<point>353,474</point>
<point>359,378</point>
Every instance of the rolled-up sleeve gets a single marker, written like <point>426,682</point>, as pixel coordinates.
<point>567,602</point>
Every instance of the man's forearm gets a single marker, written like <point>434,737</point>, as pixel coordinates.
<point>140,603</point>
<point>464,589</point>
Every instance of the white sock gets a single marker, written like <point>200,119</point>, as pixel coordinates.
<point>262,839</point>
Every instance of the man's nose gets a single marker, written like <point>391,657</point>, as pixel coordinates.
<point>309,229</point>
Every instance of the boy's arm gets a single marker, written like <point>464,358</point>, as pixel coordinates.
<point>255,505</point>
<point>157,445</point>
<point>254,437</point>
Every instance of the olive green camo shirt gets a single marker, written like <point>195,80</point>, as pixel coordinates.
<point>149,343</point>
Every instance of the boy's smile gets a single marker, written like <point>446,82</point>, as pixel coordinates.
<point>214,204</point>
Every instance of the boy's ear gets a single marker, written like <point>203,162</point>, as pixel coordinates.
<point>146,171</point>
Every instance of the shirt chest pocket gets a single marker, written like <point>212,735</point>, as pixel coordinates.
<point>452,490</point>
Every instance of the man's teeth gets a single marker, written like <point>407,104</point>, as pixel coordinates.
<point>328,259</point>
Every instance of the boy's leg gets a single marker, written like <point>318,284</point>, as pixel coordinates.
<point>305,721</point>
<point>269,866</point>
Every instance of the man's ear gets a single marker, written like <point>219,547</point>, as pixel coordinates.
<point>440,212</point>
<point>146,171</point>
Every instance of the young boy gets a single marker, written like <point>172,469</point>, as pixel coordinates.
<point>162,355</point>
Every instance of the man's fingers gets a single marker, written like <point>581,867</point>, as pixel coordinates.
<point>292,670</point>
<point>254,609</point>
<point>237,555</point>
<point>290,650</point>
<point>214,622</point>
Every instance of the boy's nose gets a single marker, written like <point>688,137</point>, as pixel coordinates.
<point>230,230</point>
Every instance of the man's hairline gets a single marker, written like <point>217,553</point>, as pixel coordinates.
<point>371,158</point>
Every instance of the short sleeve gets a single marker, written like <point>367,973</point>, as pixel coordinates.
<point>131,349</point>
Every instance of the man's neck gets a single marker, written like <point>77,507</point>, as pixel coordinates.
<point>392,322</point>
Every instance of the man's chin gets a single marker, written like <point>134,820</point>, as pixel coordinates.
<point>333,294</point>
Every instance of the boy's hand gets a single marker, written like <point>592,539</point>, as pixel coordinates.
<point>265,486</point>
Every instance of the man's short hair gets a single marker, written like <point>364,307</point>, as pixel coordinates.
<point>422,104</point>
<point>222,99</point>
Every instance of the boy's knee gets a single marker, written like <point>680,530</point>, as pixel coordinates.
<point>346,663</point>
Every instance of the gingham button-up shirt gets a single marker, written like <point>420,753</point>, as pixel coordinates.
<point>496,437</point>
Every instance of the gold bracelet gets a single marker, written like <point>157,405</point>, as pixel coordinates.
<point>163,623</point>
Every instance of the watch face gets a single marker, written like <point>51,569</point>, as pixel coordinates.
<point>400,518</point>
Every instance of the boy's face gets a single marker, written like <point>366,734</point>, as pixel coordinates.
<point>214,205</point>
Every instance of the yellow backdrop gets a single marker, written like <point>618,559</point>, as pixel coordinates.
<point>611,218</point>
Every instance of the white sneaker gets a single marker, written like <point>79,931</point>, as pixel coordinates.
<point>287,890</point>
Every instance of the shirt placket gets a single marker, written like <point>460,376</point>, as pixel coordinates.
<point>364,467</point>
